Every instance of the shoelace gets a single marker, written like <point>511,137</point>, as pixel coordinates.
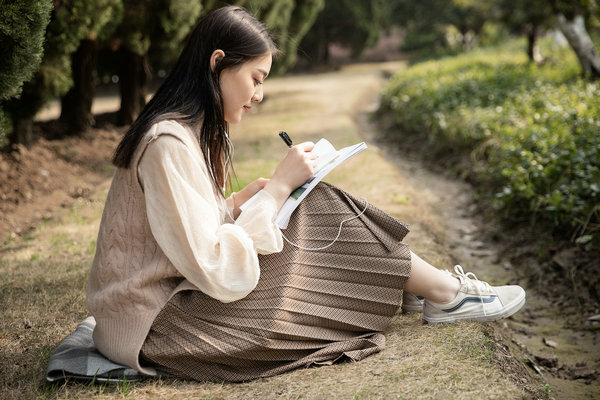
<point>472,282</point>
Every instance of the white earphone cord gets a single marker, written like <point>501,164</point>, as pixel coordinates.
<point>334,240</point>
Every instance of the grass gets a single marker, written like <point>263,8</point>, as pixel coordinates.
<point>43,277</point>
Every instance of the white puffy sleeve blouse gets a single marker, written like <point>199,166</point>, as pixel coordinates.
<point>193,227</point>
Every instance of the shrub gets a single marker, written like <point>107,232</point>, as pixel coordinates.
<point>535,129</point>
<point>22,27</point>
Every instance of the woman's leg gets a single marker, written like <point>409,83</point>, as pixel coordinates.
<point>428,281</point>
<point>460,296</point>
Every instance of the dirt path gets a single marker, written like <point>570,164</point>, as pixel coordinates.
<point>49,264</point>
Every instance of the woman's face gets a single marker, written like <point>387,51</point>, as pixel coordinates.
<point>243,85</point>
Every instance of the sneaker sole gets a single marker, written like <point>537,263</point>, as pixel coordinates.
<point>411,309</point>
<point>504,313</point>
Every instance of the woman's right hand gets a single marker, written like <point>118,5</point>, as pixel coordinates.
<point>296,168</point>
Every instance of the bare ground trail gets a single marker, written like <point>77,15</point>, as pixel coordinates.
<point>46,255</point>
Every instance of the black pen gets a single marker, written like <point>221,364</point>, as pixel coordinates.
<point>284,136</point>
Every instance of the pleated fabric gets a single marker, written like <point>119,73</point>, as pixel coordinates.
<point>309,307</point>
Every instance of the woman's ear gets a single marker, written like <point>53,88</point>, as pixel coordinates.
<point>215,58</point>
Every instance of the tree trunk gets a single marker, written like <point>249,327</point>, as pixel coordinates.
<point>580,41</point>
<point>322,46</point>
<point>22,132</point>
<point>76,105</point>
<point>133,82</point>
<point>323,53</point>
<point>146,79</point>
<point>532,48</point>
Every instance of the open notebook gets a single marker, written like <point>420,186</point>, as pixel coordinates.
<point>327,159</point>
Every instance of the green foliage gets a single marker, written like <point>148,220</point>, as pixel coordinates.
<point>431,24</point>
<point>159,26</point>
<point>22,27</point>
<point>288,21</point>
<point>590,8</point>
<point>83,19</point>
<point>519,15</point>
<point>275,14</point>
<point>170,21</point>
<point>176,19</point>
<point>5,128</point>
<point>494,34</point>
<point>350,23</point>
<point>302,21</point>
<point>534,130</point>
<point>132,32</point>
<point>70,22</point>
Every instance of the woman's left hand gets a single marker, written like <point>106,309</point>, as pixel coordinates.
<point>246,193</point>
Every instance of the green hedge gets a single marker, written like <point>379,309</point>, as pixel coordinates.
<point>533,132</point>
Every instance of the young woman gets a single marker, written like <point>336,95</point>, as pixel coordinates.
<point>185,282</point>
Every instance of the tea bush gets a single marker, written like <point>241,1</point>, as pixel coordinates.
<point>534,129</point>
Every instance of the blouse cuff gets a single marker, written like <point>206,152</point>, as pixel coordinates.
<point>258,219</point>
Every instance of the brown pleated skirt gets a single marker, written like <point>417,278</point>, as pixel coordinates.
<point>309,307</point>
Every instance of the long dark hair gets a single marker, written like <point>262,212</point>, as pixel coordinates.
<point>191,94</point>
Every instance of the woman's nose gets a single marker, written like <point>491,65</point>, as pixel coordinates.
<point>258,95</point>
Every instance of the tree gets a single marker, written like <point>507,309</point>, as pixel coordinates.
<point>22,27</point>
<point>442,23</point>
<point>70,22</point>
<point>571,16</point>
<point>528,17</point>
<point>301,21</point>
<point>171,21</point>
<point>288,21</point>
<point>149,29</point>
<point>354,24</point>
<point>160,25</point>
<point>424,22</point>
<point>103,16</point>
<point>469,16</point>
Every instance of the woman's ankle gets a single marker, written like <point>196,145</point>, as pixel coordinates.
<point>446,293</point>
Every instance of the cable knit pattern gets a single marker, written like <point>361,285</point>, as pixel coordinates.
<point>164,230</point>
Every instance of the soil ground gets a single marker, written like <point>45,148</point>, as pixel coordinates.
<point>51,201</point>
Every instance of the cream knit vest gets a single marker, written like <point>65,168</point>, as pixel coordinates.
<point>131,278</point>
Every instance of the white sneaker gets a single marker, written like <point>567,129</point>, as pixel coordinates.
<point>412,303</point>
<point>476,301</point>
